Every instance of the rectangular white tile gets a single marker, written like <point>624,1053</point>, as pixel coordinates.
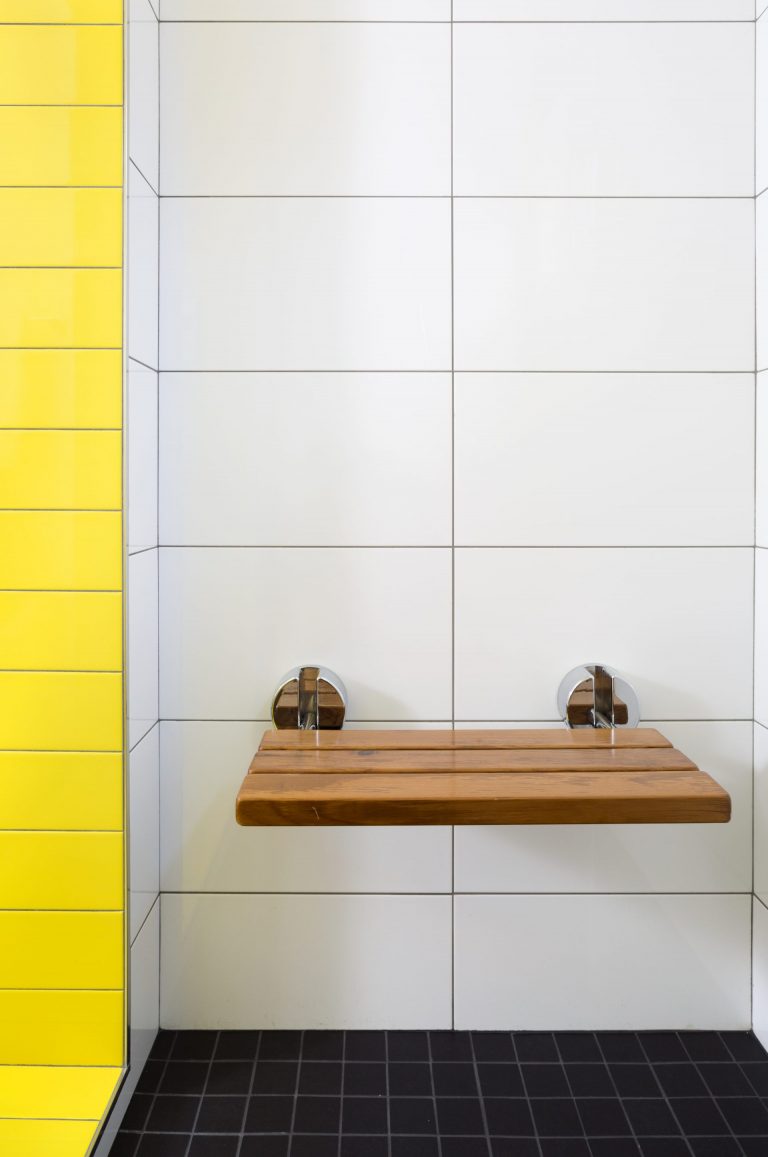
<point>676,623</point>
<point>610,109</point>
<point>142,269</point>
<point>760,973</point>
<point>204,850</point>
<point>631,962</point>
<point>234,621</point>
<point>761,277</point>
<point>761,101</point>
<point>635,10</point>
<point>761,813</point>
<point>604,459</point>
<point>235,100</point>
<point>308,962</point>
<point>627,857</point>
<point>142,657</point>
<point>761,460</point>
<point>306,283</point>
<point>143,90</point>
<point>306,10</point>
<point>761,636</point>
<point>604,284</point>
<point>342,459</point>
<point>144,807</point>
<point>141,442</point>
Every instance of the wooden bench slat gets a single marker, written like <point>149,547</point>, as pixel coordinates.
<point>436,740</point>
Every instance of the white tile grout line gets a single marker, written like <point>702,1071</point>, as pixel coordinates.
<point>453,537</point>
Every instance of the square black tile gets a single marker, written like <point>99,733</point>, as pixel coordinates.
<point>194,1046</point>
<point>275,1077</point>
<point>412,1115</point>
<point>715,1147</point>
<point>364,1146</point>
<point>514,1147</point>
<point>365,1115</point>
<point>364,1046</point>
<point>317,1115</point>
<point>410,1080</point>
<point>698,1116</point>
<point>754,1146</point>
<point>745,1115</point>
<point>704,1046</point>
<point>453,1079</point>
<point>264,1147</point>
<point>323,1046</point>
<point>744,1046</point>
<point>635,1080</point>
<point>221,1114</point>
<point>450,1046</point>
<point>493,1046</point>
<point>464,1146</point>
<point>614,1147</point>
<point>314,1146</point>
<point>620,1047</point>
<point>726,1080</point>
<point>545,1080</point>
<point>663,1047</point>
<point>162,1045</point>
<point>238,1046</point>
<point>664,1147</point>
<point>460,1115</point>
<point>320,1077</point>
<point>137,1112</point>
<point>269,1115</point>
<point>501,1080</point>
<point>535,1046</point>
<point>603,1117</point>
<point>214,1146</point>
<point>124,1145</point>
<point>680,1080</point>
<point>651,1117</point>
<point>173,1115</point>
<point>414,1147</point>
<point>365,1079</point>
<point>163,1145</point>
<point>184,1077</point>
<point>564,1147</point>
<point>279,1046</point>
<point>590,1080</point>
<point>556,1117</point>
<point>229,1077</point>
<point>150,1077</point>
<point>757,1075</point>
<point>578,1046</point>
<point>509,1117</point>
<point>408,1046</point>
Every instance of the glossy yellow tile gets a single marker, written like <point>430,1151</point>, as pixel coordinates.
<point>42,711</point>
<point>46,1138</point>
<point>60,550</point>
<point>60,469</point>
<point>57,870</point>
<point>56,1091</point>
<point>49,227</point>
<point>61,790</point>
<point>61,64</point>
<point>61,146</point>
<point>61,11</point>
<point>61,950</point>
<point>60,1028</point>
<point>60,631</point>
<point>65,388</point>
<point>61,307</point>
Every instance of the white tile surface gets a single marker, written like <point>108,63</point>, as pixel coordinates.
<point>306,962</point>
<point>342,459</point>
<point>144,797</point>
<point>761,461</point>
<point>204,850</point>
<point>604,284</point>
<point>675,451</point>
<point>631,962</point>
<point>611,109</point>
<point>761,102</point>
<point>234,621</point>
<point>235,101</point>
<point>142,598</point>
<point>638,10</point>
<point>317,283</point>
<point>306,10</point>
<point>141,441</point>
<point>676,623</point>
<point>627,857</point>
<point>142,273</point>
<point>760,973</point>
<point>761,636</point>
<point>761,814</point>
<point>761,272</point>
<point>143,90</point>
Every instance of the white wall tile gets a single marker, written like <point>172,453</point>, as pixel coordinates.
<point>761,461</point>
<point>676,623</point>
<point>761,813</point>
<point>234,621</point>
<point>761,274</point>
<point>312,283</point>
<point>204,850</point>
<point>235,99</point>
<point>142,269</point>
<point>604,459</point>
<point>761,102</point>
<point>306,10</point>
<point>143,90</point>
<point>604,284</point>
<point>343,459</point>
<point>142,611</point>
<point>306,962</point>
<point>627,857</point>
<point>760,973</point>
<point>141,441</point>
<point>631,962</point>
<point>761,636</point>
<point>636,10</point>
<point>606,109</point>
<point>144,829</point>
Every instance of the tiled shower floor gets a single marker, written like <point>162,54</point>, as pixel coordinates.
<point>450,1094</point>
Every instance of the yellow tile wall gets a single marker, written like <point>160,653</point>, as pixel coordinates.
<point>62,850</point>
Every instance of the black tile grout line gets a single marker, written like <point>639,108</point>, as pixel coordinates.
<point>430,1062</point>
<point>249,1094</point>
<point>480,1096</point>
<point>613,1084</point>
<point>537,1139</point>
<point>202,1094</point>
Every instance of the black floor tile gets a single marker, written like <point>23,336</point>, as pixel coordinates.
<point>410,1080</point>
<point>275,1077</point>
<point>757,1075</point>
<point>744,1046</point>
<point>745,1115</point>
<point>493,1046</point>
<point>589,1080</point>
<point>320,1078</point>
<point>508,1117</point>
<point>664,1147</point>
<point>150,1077</point>
<point>699,1117</point>
<point>603,1117</point>
<point>367,1079</point>
<point>723,1080</point>
<point>564,1147</point>
<point>414,1147</point>
<point>173,1115</point>
<point>221,1114</point>
<point>163,1145</point>
<point>464,1146</point>
<point>460,1116</point>
<point>269,1115</point>
<point>754,1146</point>
<point>635,1080</point>
<point>194,1046</point>
<point>264,1147</point>
<point>556,1117</point>
<point>408,1046</point>
<point>318,1115</point>
<point>535,1046</point>
<point>365,1046</point>
<point>500,1080</point>
<point>620,1047</point>
<point>161,1049</point>
<point>412,1115</point>
<point>578,1046</point>
<point>663,1046</point>
<point>514,1147</point>
<point>364,1146</point>
<point>365,1115</point>
<point>651,1117</point>
<point>450,1046</point>
<point>237,1046</point>
<point>454,1079</point>
<point>614,1147</point>
<point>124,1145</point>
<point>704,1046</point>
<point>314,1146</point>
<point>680,1080</point>
<point>214,1146</point>
<point>184,1077</point>
<point>545,1080</point>
<point>280,1046</point>
<point>230,1077</point>
<point>323,1046</point>
<point>715,1147</point>
<point>137,1112</point>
